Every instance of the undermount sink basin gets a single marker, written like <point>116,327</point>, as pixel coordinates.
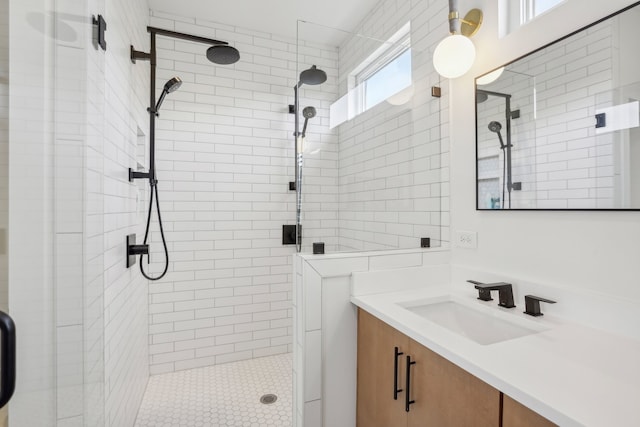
<point>485,327</point>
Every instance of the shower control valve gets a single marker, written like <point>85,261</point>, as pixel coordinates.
<point>133,250</point>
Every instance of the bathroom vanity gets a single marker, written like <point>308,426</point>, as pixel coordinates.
<point>537,371</point>
<point>475,362</point>
<point>431,391</point>
<point>393,370</point>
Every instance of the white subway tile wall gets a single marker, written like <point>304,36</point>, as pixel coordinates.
<point>118,94</point>
<point>94,370</point>
<point>393,160</point>
<point>224,161</point>
<point>225,158</point>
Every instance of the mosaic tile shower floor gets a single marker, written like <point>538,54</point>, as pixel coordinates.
<point>220,396</point>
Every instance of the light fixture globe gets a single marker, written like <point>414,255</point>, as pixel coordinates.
<point>454,56</point>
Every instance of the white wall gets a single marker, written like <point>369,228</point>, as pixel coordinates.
<point>591,251</point>
<point>224,160</point>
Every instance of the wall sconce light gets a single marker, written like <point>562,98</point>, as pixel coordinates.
<point>455,54</point>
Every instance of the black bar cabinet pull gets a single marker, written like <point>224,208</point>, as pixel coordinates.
<point>407,395</point>
<point>396,390</point>
<point>8,358</point>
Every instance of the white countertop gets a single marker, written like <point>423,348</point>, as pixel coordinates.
<point>571,374</point>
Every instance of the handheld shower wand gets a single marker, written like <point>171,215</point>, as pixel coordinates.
<point>169,87</point>
<point>308,113</point>
<point>496,127</point>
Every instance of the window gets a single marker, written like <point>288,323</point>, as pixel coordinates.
<point>386,72</point>
<point>529,9</point>
<point>516,13</point>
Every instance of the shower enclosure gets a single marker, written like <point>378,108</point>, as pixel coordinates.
<point>74,119</point>
<point>372,160</point>
<point>33,235</point>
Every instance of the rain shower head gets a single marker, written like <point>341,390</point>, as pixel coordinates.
<point>223,54</point>
<point>312,76</point>
<point>495,127</point>
<point>481,97</point>
<point>309,112</point>
<point>171,86</point>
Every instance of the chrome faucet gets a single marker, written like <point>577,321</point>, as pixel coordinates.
<point>505,292</point>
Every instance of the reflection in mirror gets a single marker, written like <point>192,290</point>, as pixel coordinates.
<point>558,128</point>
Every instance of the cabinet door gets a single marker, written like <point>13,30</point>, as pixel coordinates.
<point>447,396</point>
<point>514,414</point>
<point>377,341</point>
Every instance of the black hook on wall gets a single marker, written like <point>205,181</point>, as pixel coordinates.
<point>100,26</point>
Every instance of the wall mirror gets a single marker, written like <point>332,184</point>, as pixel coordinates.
<point>559,129</point>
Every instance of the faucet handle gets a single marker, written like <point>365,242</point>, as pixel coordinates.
<point>532,305</point>
<point>483,294</point>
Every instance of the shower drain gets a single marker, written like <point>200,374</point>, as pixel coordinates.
<point>268,399</point>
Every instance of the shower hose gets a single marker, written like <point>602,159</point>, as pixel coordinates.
<point>154,189</point>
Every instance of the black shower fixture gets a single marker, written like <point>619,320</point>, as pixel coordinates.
<point>169,87</point>
<point>311,76</point>
<point>308,113</point>
<point>496,127</point>
<point>223,54</point>
<point>481,97</point>
<point>219,53</point>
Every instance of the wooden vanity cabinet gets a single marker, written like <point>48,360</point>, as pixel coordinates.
<point>444,395</point>
<point>448,396</point>
<point>514,414</point>
<point>377,342</point>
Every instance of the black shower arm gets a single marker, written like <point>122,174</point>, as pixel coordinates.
<point>143,56</point>
<point>151,57</point>
<point>183,36</point>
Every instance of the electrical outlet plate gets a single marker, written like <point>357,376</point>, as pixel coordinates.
<point>466,239</point>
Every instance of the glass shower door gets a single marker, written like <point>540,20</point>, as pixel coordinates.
<point>26,211</point>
